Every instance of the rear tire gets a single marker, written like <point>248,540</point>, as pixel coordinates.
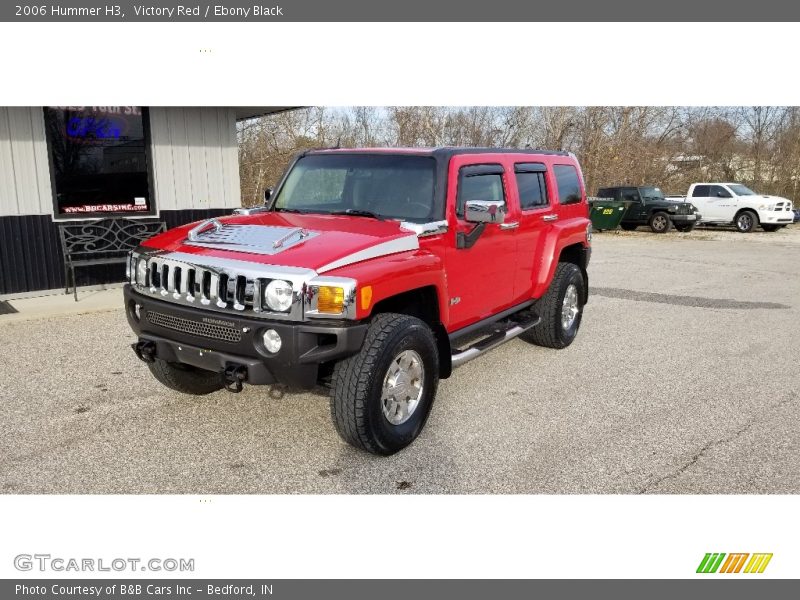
<point>185,378</point>
<point>746,221</point>
<point>399,353</point>
<point>556,330</point>
<point>770,228</point>
<point>629,226</point>
<point>660,222</point>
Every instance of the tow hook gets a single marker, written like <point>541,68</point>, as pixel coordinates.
<point>233,377</point>
<point>145,350</point>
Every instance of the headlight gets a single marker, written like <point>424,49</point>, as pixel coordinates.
<point>330,299</point>
<point>278,295</point>
<point>767,207</point>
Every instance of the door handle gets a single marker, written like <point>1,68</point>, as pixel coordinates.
<point>550,218</point>
<point>509,225</point>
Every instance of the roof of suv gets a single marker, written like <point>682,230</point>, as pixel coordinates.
<point>441,151</point>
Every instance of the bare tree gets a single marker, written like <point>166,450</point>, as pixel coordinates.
<point>670,147</point>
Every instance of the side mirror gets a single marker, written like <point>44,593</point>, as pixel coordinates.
<point>485,211</point>
<point>267,195</point>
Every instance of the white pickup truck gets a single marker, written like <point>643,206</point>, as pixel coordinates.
<point>738,205</point>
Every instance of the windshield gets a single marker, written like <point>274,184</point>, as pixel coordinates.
<point>651,193</point>
<point>386,186</point>
<point>741,190</point>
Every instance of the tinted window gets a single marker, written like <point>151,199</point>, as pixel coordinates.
<point>478,187</point>
<point>532,190</point>
<point>630,194</point>
<point>569,187</point>
<point>717,191</point>
<point>99,156</point>
<point>701,191</point>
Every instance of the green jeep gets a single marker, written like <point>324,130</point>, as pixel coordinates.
<point>649,207</point>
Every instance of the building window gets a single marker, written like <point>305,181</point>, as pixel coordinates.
<point>99,157</point>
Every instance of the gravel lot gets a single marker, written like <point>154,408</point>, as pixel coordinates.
<point>682,380</point>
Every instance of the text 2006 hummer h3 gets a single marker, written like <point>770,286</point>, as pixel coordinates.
<point>374,272</point>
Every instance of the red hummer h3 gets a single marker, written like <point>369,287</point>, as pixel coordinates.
<point>374,272</point>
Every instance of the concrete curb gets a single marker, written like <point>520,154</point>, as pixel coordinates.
<point>46,307</point>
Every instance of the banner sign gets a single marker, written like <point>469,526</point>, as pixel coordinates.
<point>372,589</point>
<point>407,11</point>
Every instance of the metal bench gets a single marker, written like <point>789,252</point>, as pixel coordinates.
<point>101,242</point>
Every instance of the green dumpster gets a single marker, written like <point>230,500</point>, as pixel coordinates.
<point>606,213</point>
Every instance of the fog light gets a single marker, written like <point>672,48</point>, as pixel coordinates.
<point>135,310</point>
<point>272,341</point>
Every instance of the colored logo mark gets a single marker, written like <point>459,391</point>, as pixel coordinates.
<point>734,563</point>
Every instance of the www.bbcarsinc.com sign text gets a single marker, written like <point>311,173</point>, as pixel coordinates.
<point>46,562</point>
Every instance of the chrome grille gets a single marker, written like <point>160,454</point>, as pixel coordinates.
<point>223,285</point>
<point>197,328</point>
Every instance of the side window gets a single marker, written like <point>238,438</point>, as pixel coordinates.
<point>569,186</point>
<point>479,182</point>
<point>631,194</point>
<point>701,191</point>
<point>531,185</point>
<point>717,191</point>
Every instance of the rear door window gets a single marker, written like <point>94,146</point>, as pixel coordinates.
<point>701,191</point>
<point>531,185</point>
<point>631,194</point>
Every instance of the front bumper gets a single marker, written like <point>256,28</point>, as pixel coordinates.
<point>208,340</point>
<point>776,217</point>
<point>685,218</point>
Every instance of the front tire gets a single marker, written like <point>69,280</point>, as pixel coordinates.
<point>561,309</point>
<point>770,228</point>
<point>660,222</point>
<point>185,378</point>
<point>685,227</point>
<point>746,221</point>
<point>381,397</point>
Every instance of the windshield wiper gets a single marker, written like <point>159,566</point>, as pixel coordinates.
<point>357,212</point>
<point>290,210</point>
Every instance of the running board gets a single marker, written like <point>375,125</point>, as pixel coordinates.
<point>494,340</point>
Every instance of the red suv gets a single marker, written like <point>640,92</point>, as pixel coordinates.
<point>374,272</point>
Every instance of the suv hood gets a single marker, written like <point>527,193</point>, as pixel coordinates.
<point>319,242</point>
